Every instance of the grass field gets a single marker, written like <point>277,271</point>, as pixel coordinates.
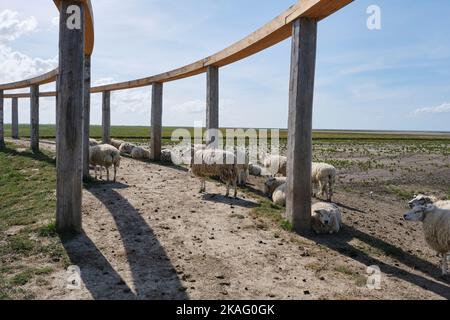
<point>137,132</point>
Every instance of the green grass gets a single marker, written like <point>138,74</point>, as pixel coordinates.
<point>27,210</point>
<point>142,132</point>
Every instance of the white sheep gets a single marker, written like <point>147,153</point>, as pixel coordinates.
<point>272,184</point>
<point>436,228</point>
<point>279,195</point>
<point>275,164</point>
<point>323,177</point>
<point>166,156</point>
<point>215,163</point>
<point>421,200</point>
<point>139,153</point>
<point>242,162</point>
<point>325,218</point>
<point>116,143</point>
<point>93,142</point>
<point>104,155</point>
<point>126,148</point>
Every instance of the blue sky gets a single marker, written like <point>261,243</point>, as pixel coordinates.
<point>396,78</point>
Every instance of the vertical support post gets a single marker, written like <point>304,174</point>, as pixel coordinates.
<point>156,121</point>
<point>106,116</point>
<point>15,118</point>
<point>212,105</point>
<point>2,126</point>
<point>70,118</point>
<point>301,93</point>
<point>34,117</point>
<point>86,115</point>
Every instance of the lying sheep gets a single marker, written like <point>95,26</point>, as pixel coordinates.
<point>323,177</point>
<point>254,170</point>
<point>139,153</point>
<point>272,184</point>
<point>325,218</point>
<point>104,155</point>
<point>126,148</point>
<point>279,195</point>
<point>275,164</point>
<point>436,228</point>
<point>166,156</point>
<point>421,200</point>
<point>215,163</point>
<point>93,142</point>
<point>116,143</point>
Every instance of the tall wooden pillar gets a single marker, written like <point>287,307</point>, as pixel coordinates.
<point>106,116</point>
<point>301,92</point>
<point>2,126</point>
<point>156,121</point>
<point>86,115</point>
<point>70,120</point>
<point>15,118</point>
<point>34,118</point>
<point>212,104</point>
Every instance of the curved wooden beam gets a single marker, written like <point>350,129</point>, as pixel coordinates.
<point>51,75</point>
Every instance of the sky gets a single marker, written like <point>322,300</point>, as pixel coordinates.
<point>394,78</point>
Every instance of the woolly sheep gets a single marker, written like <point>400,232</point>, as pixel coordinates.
<point>166,156</point>
<point>323,177</point>
<point>279,195</point>
<point>139,153</point>
<point>272,184</point>
<point>254,170</point>
<point>126,148</point>
<point>93,142</point>
<point>242,163</point>
<point>275,164</point>
<point>104,155</point>
<point>421,200</point>
<point>436,228</point>
<point>215,163</point>
<point>325,218</point>
<point>116,143</point>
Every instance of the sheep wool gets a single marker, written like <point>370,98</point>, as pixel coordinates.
<point>323,177</point>
<point>139,153</point>
<point>104,155</point>
<point>126,148</point>
<point>325,218</point>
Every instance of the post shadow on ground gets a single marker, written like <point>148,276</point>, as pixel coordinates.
<point>154,277</point>
<point>218,198</point>
<point>340,243</point>
<point>39,156</point>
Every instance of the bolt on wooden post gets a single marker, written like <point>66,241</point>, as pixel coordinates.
<point>69,116</point>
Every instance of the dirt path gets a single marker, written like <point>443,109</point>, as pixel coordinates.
<point>151,235</point>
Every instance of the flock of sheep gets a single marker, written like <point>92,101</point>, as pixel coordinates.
<point>233,168</point>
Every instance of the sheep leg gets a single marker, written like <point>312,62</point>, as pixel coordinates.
<point>115,173</point>
<point>330,190</point>
<point>95,172</point>
<point>107,174</point>
<point>235,189</point>
<point>101,173</point>
<point>228,189</point>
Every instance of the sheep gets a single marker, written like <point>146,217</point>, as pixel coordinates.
<point>323,176</point>
<point>126,148</point>
<point>422,199</point>
<point>325,218</point>
<point>215,163</point>
<point>436,228</point>
<point>279,195</point>
<point>242,162</point>
<point>116,143</point>
<point>139,153</point>
<point>93,142</point>
<point>104,155</point>
<point>254,170</point>
<point>166,156</point>
<point>275,164</point>
<point>272,184</point>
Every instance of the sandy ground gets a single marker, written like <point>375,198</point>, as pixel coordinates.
<point>151,235</point>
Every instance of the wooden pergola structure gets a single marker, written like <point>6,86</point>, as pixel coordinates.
<point>73,89</point>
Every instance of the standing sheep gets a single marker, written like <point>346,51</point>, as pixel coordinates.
<point>421,200</point>
<point>323,176</point>
<point>325,218</point>
<point>104,155</point>
<point>215,163</point>
<point>436,228</point>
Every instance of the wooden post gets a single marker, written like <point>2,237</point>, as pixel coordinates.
<point>106,116</point>
<point>301,92</point>
<point>156,121</point>
<point>34,118</point>
<point>212,104</point>
<point>86,115</point>
<point>2,128</point>
<point>70,120</point>
<point>15,118</point>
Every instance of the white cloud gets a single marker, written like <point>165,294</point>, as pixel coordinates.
<point>443,108</point>
<point>12,28</point>
<point>190,107</point>
<point>55,21</point>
